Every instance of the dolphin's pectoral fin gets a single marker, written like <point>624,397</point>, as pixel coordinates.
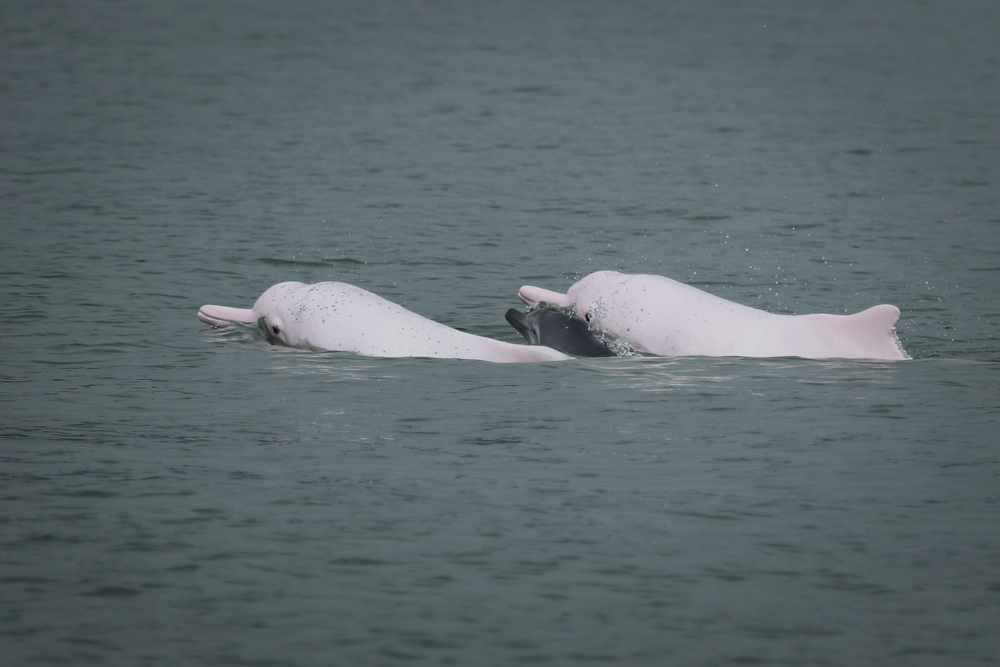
<point>223,316</point>
<point>532,296</point>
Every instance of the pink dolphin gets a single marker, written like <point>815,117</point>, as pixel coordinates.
<point>663,317</point>
<point>342,317</point>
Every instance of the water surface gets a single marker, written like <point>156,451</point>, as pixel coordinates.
<point>173,494</point>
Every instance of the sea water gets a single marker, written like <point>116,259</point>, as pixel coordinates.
<point>174,494</point>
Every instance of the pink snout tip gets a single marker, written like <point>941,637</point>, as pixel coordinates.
<point>532,296</point>
<point>223,316</point>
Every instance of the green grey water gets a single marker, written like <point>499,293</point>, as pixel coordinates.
<point>174,494</point>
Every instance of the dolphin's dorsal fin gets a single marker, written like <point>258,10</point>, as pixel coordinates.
<point>870,333</point>
<point>880,318</point>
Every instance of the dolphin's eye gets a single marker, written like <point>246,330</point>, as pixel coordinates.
<point>587,316</point>
<point>275,329</point>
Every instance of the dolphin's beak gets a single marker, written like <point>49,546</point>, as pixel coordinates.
<point>518,320</point>
<point>223,316</point>
<point>532,296</point>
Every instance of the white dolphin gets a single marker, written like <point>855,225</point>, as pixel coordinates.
<point>663,317</point>
<point>342,317</point>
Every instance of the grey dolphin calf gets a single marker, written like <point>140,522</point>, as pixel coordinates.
<point>558,330</point>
